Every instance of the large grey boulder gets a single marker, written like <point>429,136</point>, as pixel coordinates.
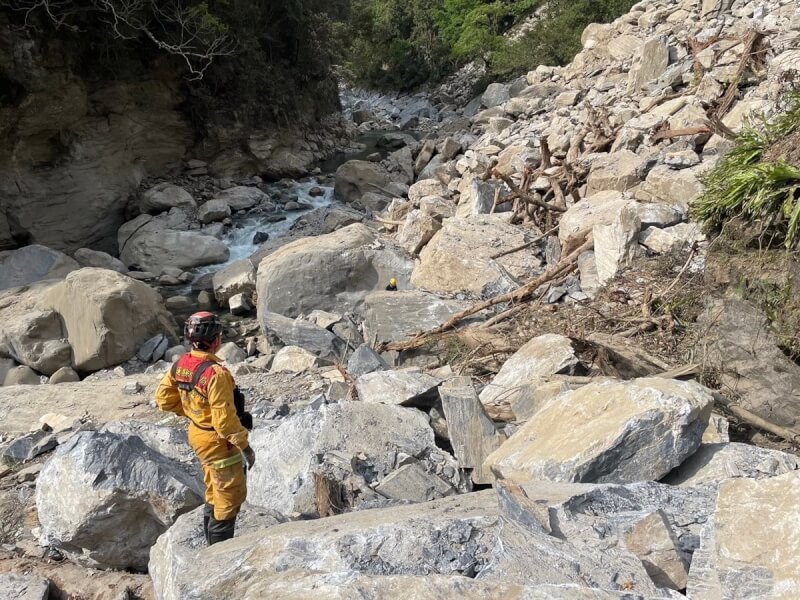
<point>519,377</point>
<point>619,171</point>
<point>332,272</point>
<point>459,257</point>
<point>24,587</point>
<point>404,388</point>
<point>585,514</point>
<point>357,177</point>
<point>612,431</point>
<point>243,197</point>
<point>94,258</point>
<point>392,316</point>
<point>164,196</point>
<point>365,360</point>
<point>32,333</point>
<point>616,244</point>
<point>495,95</point>
<point>749,547</point>
<point>213,211</point>
<point>64,375</point>
<point>293,359</point>
<point>176,219</point>
<point>239,277</point>
<point>178,548</point>
<point>452,536</point>
<point>418,229</point>
<point>33,263</point>
<point>296,332</point>
<point>671,240</point>
<point>167,441</point>
<point>155,250</point>
<point>106,498</point>
<point>426,187</point>
<point>597,209</point>
<point>472,433</point>
<point>333,441</point>
<point>713,463</point>
<point>478,200</point>
<point>740,344</point>
<point>456,547</point>
<point>27,447</point>
<point>651,62</point>
<point>21,375</point>
<point>676,187</point>
<point>231,354</point>
<point>106,316</point>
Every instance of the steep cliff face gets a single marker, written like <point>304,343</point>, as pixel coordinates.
<point>83,120</point>
<point>72,150</point>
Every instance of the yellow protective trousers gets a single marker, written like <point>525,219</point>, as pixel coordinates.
<point>223,472</point>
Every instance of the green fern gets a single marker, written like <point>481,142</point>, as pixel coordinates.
<point>747,186</point>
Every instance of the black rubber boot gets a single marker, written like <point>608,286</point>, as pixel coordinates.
<point>208,514</point>
<point>219,531</point>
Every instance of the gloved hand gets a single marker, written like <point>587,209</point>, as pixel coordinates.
<point>249,456</point>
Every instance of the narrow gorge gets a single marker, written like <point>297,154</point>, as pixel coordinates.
<point>581,382</point>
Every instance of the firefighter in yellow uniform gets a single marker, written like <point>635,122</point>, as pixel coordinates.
<point>199,388</point>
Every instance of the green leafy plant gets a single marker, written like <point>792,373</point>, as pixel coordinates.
<point>753,185</point>
<point>555,38</point>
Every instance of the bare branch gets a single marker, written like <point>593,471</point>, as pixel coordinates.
<point>182,31</point>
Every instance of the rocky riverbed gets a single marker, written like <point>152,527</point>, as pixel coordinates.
<point>534,413</point>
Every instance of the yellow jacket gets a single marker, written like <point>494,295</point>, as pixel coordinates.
<point>216,411</point>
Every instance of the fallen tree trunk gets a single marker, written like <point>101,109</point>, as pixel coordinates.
<point>753,419</point>
<point>566,265</point>
<point>668,134</point>
<point>526,245</point>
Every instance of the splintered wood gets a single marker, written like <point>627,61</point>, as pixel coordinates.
<point>564,266</point>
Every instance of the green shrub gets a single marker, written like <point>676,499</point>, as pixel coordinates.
<point>400,44</point>
<point>556,38</point>
<point>752,185</point>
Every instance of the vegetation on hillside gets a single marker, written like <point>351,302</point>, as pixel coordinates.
<point>758,181</point>
<point>268,61</point>
<point>555,38</point>
<point>254,61</point>
<point>400,44</point>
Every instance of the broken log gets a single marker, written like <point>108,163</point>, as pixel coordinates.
<point>668,134</point>
<point>753,419</point>
<point>525,245</point>
<point>564,266</point>
<point>524,195</point>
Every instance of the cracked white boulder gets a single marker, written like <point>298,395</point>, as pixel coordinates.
<point>355,442</point>
<point>750,546</point>
<point>612,431</point>
<point>519,377</point>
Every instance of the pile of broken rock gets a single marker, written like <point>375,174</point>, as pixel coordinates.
<point>605,488</point>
